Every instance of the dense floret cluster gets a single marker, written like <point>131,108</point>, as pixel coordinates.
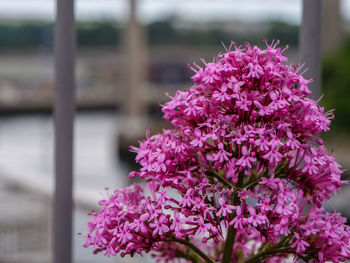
<point>240,178</point>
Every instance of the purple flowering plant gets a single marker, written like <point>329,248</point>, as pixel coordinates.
<point>241,177</point>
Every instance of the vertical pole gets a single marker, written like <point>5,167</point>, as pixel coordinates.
<point>136,64</point>
<point>134,104</point>
<point>310,43</point>
<point>332,26</point>
<point>64,112</point>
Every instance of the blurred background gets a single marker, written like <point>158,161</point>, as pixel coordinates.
<point>127,60</point>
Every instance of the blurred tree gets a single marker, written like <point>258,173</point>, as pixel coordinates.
<point>286,33</point>
<point>162,32</point>
<point>29,35</point>
<point>23,35</point>
<point>97,34</point>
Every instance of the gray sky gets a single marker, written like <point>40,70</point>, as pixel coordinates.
<point>247,10</point>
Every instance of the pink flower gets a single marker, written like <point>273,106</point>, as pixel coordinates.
<point>199,138</point>
<point>255,70</point>
<point>299,244</point>
<point>243,158</point>
<point>243,103</point>
<point>273,156</point>
<point>124,235</point>
<point>246,160</point>
<point>238,222</point>
<point>256,219</point>
<point>225,209</point>
<point>222,94</point>
<point>161,226</point>
<point>221,155</point>
<point>178,222</point>
<point>262,143</point>
<point>203,228</point>
<point>139,224</point>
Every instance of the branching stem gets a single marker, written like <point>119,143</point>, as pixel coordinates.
<point>193,247</point>
<point>220,178</point>
<point>264,254</point>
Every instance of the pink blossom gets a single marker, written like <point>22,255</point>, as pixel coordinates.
<point>256,219</point>
<point>124,235</point>
<point>225,209</point>
<point>238,222</point>
<point>246,160</point>
<point>243,103</point>
<point>299,244</point>
<point>221,155</point>
<point>243,158</point>
<point>161,226</point>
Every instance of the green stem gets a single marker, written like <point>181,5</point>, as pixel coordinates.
<point>221,179</point>
<point>280,247</point>
<point>193,247</point>
<point>264,254</point>
<point>230,238</point>
<point>231,233</point>
<point>252,184</point>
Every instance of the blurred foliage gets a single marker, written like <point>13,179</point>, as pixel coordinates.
<point>164,32</point>
<point>98,34</point>
<point>29,35</point>
<point>24,35</point>
<point>336,85</point>
<point>286,33</point>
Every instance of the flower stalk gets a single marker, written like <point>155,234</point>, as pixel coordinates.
<point>193,247</point>
<point>231,233</point>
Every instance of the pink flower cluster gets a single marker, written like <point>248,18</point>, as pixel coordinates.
<point>241,177</point>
